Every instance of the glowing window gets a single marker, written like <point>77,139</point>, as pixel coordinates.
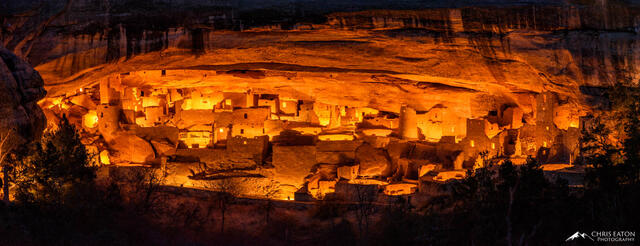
<point>547,128</point>
<point>544,144</point>
<point>452,129</point>
<point>493,145</point>
<point>245,142</point>
<point>473,143</point>
<point>221,129</point>
<point>284,104</point>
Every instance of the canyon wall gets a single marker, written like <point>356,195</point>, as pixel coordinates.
<point>471,59</point>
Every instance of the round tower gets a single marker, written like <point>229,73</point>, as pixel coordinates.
<point>408,123</point>
<point>108,120</point>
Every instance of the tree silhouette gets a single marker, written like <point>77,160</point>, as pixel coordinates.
<point>6,147</point>
<point>57,169</point>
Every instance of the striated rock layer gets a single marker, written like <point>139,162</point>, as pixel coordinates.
<point>471,60</point>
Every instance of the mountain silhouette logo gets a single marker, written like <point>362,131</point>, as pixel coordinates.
<point>579,235</point>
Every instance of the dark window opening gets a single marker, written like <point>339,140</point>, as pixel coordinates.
<point>245,115</point>
<point>241,131</point>
<point>164,72</point>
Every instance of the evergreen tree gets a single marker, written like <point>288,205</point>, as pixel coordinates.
<point>58,169</point>
<point>505,205</point>
<point>611,150</point>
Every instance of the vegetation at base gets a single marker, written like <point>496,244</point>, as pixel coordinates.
<point>57,200</point>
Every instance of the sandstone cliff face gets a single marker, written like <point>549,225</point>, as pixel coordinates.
<point>471,59</point>
<point>20,89</point>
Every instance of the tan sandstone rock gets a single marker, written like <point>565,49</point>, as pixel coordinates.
<point>130,148</point>
<point>293,163</point>
<point>373,162</point>
<point>348,172</point>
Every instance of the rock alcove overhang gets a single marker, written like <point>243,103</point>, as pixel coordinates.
<point>341,67</point>
<point>471,60</point>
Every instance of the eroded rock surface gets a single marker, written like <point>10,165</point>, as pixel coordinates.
<point>131,148</point>
<point>373,162</point>
<point>293,163</point>
<point>20,89</point>
<point>467,59</point>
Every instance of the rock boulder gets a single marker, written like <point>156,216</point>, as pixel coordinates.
<point>131,148</point>
<point>348,172</point>
<point>20,89</point>
<point>373,162</point>
<point>293,163</point>
<point>164,148</point>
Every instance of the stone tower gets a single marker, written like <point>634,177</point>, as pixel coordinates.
<point>408,123</point>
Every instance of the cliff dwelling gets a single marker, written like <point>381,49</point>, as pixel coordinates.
<point>315,103</point>
<point>299,128</point>
<point>364,92</point>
